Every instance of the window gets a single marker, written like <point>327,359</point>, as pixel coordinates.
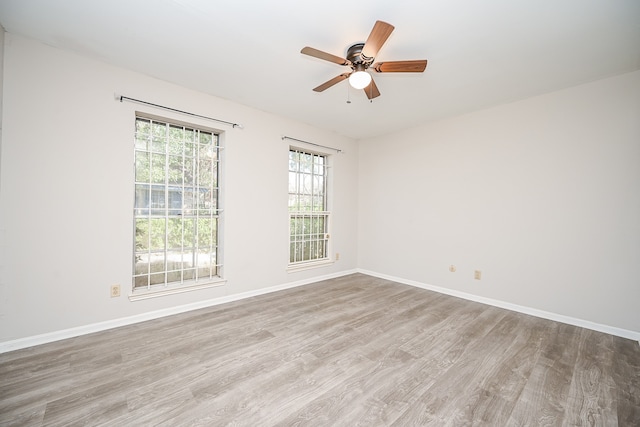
<point>176,215</point>
<point>308,215</point>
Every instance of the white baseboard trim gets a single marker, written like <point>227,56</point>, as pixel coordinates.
<point>143,317</point>
<point>624,333</point>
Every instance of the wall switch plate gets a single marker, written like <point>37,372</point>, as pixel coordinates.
<point>477,274</point>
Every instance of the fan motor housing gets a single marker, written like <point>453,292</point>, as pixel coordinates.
<point>354,55</point>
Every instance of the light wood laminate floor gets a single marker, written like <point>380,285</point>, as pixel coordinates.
<point>352,351</point>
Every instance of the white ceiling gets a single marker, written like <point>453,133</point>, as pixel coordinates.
<point>480,53</point>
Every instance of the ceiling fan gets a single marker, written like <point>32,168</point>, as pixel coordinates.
<point>360,58</point>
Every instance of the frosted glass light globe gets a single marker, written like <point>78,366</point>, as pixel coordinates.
<point>359,79</point>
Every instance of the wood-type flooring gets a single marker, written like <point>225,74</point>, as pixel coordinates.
<point>351,351</point>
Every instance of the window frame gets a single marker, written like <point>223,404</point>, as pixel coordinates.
<point>325,213</point>
<point>216,278</point>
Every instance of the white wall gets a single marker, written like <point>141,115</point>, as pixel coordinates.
<point>1,96</point>
<point>66,192</point>
<point>542,196</point>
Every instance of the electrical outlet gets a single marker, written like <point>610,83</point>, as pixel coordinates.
<point>115,291</point>
<point>477,274</point>
<point>337,256</point>
<point>452,268</point>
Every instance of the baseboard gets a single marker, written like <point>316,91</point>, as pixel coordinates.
<point>115,323</point>
<point>624,333</point>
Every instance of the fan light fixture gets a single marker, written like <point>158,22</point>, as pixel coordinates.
<point>359,79</point>
<point>360,58</point>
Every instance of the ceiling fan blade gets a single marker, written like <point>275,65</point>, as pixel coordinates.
<point>372,90</point>
<point>324,55</point>
<point>326,85</point>
<point>415,66</point>
<point>379,34</point>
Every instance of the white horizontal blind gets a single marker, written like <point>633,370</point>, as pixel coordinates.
<point>176,211</point>
<point>308,215</point>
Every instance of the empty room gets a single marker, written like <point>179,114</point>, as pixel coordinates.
<point>325,213</point>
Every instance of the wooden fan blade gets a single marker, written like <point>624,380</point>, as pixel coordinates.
<point>372,90</point>
<point>333,81</point>
<point>379,34</point>
<point>416,66</point>
<point>324,55</point>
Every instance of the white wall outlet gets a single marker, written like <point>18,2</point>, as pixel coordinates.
<point>337,256</point>
<point>115,291</point>
<point>477,274</point>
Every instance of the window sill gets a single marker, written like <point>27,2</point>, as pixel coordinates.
<point>308,265</point>
<point>143,294</point>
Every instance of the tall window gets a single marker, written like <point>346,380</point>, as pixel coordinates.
<point>176,204</point>
<point>308,215</point>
